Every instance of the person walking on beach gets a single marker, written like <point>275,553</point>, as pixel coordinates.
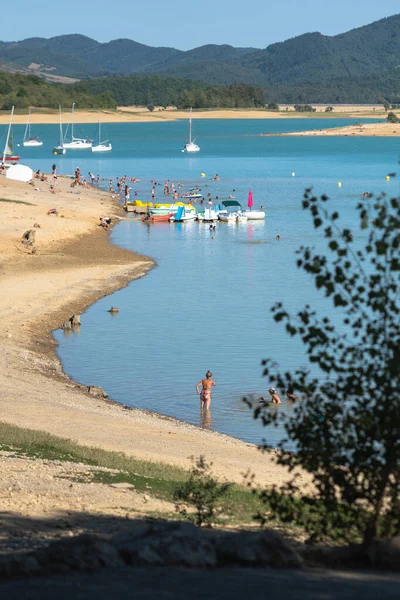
<point>205,394</point>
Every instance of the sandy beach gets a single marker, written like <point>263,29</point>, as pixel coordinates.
<point>74,265</point>
<point>360,130</point>
<point>134,114</point>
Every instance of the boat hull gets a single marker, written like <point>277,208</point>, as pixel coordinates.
<point>157,218</point>
<point>102,148</point>
<point>12,158</point>
<point>255,215</point>
<point>192,147</point>
<point>59,150</point>
<point>32,143</point>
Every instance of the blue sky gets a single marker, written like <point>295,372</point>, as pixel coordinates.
<point>185,24</point>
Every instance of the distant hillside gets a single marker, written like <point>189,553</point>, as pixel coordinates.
<point>306,59</point>
<point>82,57</point>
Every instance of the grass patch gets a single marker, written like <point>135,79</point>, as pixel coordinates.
<point>16,202</point>
<point>155,479</point>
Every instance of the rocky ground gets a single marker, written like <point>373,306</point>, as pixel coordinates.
<point>42,501</point>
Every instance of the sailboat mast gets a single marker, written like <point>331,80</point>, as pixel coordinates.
<point>8,135</point>
<point>61,131</point>
<point>190,126</point>
<point>72,123</point>
<point>27,133</point>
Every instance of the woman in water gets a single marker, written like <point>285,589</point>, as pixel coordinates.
<point>205,394</point>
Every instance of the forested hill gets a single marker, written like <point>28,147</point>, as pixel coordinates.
<point>307,59</point>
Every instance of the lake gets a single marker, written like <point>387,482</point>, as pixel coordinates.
<point>207,303</point>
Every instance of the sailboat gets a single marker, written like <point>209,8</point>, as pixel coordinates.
<point>60,149</point>
<point>28,139</point>
<point>102,146</point>
<point>8,147</point>
<point>190,146</point>
<point>76,143</point>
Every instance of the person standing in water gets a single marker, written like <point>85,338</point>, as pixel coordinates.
<point>205,394</point>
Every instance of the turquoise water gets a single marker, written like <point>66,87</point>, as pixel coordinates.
<point>207,303</point>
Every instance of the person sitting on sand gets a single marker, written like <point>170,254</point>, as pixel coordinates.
<point>274,396</point>
<point>205,394</point>
<point>105,222</point>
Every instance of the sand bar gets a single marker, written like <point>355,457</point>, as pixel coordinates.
<point>384,129</point>
<point>75,264</point>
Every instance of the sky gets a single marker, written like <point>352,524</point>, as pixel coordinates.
<point>184,24</point>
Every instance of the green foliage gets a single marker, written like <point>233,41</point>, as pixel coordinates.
<point>273,106</point>
<point>23,91</point>
<point>386,105</point>
<point>392,118</point>
<point>329,109</point>
<point>168,91</point>
<point>346,429</point>
<point>203,492</point>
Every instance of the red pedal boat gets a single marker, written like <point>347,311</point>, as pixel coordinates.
<point>156,218</point>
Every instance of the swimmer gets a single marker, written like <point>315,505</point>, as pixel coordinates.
<point>274,396</point>
<point>290,396</point>
<point>278,237</point>
<point>205,394</point>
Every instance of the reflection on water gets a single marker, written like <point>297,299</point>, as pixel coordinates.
<point>205,418</point>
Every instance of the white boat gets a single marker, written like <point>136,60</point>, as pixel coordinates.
<point>76,143</point>
<point>208,216</point>
<point>254,215</point>
<point>164,210</point>
<point>29,141</point>
<point>60,149</point>
<point>235,216</point>
<point>190,146</point>
<point>184,213</point>
<point>104,146</point>
<point>8,152</point>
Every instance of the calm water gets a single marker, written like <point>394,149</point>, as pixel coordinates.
<point>207,304</point>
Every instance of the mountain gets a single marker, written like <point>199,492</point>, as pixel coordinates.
<point>310,58</point>
<point>80,56</point>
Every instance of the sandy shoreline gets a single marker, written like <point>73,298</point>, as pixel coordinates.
<point>128,114</point>
<point>359,130</point>
<point>74,266</point>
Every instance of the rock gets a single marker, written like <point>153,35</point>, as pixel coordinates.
<point>173,543</point>
<point>97,391</point>
<point>28,238</point>
<point>36,225</point>
<point>253,548</point>
<point>72,323</point>
<point>123,485</point>
<point>81,553</point>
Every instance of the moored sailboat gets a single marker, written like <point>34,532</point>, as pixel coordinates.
<point>8,153</point>
<point>28,140</point>
<point>76,143</point>
<point>104,146</point>
<point>190,146</point>
<point>60,149</point>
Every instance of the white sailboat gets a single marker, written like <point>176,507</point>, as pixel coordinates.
<point>60,149</point>
<point>28,140</point>
<point>190,146</point>
<point>8,154</point>
<point>104,146</point>
<point>76,143</point>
